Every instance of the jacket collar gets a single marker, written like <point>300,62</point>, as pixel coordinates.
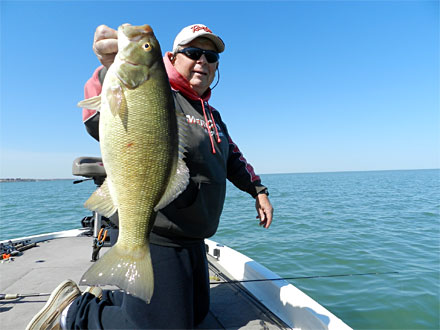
<point>180,83</point>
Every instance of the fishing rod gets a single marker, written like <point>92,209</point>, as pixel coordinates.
<point>301,277</point>
<point>9,296</point>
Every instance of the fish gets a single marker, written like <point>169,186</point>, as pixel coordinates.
<point>142,142</point>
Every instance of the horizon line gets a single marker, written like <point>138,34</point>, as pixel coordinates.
<point>12,179</point>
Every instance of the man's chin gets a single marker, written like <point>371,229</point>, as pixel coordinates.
<point>197,85</point>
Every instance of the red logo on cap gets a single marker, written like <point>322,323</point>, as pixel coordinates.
<point>196,28</point>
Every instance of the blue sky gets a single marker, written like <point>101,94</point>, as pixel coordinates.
<point>305,86</point>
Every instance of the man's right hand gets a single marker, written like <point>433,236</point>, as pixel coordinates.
<point>105,44</point>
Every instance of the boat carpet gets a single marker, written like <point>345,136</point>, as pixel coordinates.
<point>42,268</point>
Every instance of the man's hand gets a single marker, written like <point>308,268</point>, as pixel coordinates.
<point>105,44</point>
<point>264,210</point>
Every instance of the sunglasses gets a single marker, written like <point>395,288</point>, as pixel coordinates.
<point>195,53</point>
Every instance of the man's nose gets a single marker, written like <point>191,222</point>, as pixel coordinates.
<point>202,59</point>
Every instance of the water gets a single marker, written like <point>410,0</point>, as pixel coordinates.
<point>325,224</point>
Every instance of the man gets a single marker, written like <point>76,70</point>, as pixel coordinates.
<point>181,296</point>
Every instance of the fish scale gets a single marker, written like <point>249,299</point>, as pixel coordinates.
<point>149,160</point>
<point>139,132</point>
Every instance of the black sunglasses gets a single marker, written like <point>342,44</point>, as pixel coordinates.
<point>195,53</point>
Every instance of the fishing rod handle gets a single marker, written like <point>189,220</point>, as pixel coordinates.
<point>6,296</point>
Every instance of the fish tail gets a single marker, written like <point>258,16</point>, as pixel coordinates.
<point>128,269</point>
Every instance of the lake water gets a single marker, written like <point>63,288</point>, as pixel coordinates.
<point>325,224</point>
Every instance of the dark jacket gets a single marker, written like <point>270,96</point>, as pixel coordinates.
<point>211,157</point>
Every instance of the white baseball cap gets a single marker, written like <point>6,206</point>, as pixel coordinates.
<point>189,33</point>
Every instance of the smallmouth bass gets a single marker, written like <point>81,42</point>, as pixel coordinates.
<point>142,147</point>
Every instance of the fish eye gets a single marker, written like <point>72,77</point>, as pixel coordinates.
<point>146,47</point>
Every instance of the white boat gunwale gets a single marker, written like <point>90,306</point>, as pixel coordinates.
<point>291,305</point>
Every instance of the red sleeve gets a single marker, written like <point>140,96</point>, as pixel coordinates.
<point>92,88</point>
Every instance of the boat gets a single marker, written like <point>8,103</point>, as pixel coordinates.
<point>244,293</point>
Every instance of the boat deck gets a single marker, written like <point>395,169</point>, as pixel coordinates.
<point>42,268</point>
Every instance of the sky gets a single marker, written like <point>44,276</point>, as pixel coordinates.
<point>305,86</point>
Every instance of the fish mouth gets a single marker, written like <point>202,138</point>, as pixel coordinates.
<point>129,62</point>
<point>134,32</point>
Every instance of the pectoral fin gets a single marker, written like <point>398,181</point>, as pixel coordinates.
<point>115,98</point>
<point>93,103</point>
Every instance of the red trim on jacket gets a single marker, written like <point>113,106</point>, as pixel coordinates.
<point>248,166</point>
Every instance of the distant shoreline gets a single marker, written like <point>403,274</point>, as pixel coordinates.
<point>29,180</point>
<point>313,172</point>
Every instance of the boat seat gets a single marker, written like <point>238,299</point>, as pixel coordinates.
<point>93,168</point>
<point>89,167</point>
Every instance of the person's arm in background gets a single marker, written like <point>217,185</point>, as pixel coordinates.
<point>105,46</point>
